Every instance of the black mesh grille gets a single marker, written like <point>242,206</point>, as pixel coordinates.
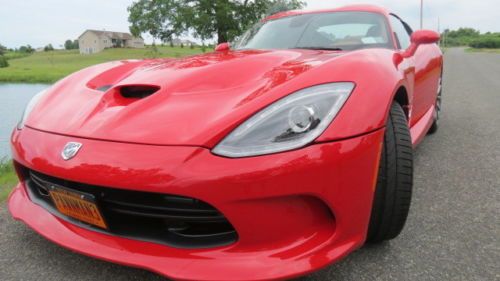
<point>172,220</point>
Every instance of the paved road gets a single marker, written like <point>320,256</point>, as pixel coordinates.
<point>453,230</point>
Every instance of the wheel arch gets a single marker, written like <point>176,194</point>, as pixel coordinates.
<point>402,98</point>
<point>379,82</point>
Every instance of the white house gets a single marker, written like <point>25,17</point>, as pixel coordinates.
<point>178,42</point>
<point>94,41</point>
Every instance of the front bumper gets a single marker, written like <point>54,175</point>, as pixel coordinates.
<point>294,212</point>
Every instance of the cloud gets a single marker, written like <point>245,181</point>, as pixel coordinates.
<point>53,21</point>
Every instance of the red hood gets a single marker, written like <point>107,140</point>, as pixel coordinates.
<point>200,98</point>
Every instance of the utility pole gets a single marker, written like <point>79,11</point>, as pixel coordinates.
<point>439,31</point>
<point>421,14</point>
<point>444,37</point>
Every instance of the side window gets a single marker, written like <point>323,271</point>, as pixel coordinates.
<point>401,32</point>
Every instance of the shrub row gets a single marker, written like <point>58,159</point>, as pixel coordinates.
<point>486,42</point>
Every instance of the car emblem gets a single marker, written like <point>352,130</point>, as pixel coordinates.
<point>70,150</point>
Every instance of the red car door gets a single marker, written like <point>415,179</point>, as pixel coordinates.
<point>422,71</point>
<point>427,61</point>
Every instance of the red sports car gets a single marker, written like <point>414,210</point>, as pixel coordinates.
<point>268,159</point>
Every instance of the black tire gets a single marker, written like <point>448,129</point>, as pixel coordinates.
<point>437,112</point>
<point>395,180</point>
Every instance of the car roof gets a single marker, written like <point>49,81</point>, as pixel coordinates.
<point>350,8</point>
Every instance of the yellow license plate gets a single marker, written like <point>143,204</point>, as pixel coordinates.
<point>77,205</point>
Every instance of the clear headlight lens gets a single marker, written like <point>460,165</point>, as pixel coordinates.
<point>29,108</point>
<point>287,124</point>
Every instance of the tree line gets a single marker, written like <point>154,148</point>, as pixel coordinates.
<point>470,37</point>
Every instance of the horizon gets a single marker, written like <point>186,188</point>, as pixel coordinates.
<point>53,22</point>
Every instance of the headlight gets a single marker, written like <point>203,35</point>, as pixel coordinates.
<point>287,124</point>
<point>29,108</point>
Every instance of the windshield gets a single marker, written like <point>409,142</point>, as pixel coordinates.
<point>329,31</point>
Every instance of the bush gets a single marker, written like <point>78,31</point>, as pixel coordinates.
<point>3,62</point>
<point>486,42</point>
<point>457,42</point>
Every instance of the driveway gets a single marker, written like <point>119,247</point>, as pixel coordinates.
<point>453,229</point>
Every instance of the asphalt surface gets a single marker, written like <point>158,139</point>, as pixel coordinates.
<point>453,230</point>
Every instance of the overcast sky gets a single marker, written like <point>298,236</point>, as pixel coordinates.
<point>38,23</point>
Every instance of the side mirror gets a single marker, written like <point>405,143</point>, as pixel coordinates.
<point>222,47</point>
<point>425,37</point>
<point>421,37</point>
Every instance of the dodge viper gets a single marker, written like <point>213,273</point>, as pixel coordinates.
<point>269,158</point>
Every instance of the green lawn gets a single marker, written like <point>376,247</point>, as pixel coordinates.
<point>8,178</point>
<point>474,50</point>
<point>48,67</point>
<point>15,55</point>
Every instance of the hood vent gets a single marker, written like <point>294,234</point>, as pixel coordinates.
<point>138,91</point>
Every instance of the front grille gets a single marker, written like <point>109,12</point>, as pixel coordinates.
<point>176,221</point>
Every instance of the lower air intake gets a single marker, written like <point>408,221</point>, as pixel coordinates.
<point>176,221</point>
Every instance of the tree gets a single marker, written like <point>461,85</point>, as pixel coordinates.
<point>48,48</point>
<point>463,32</point>
<point>71,44</point>
<point>3,50</point>
<point>227,19</point>
<point>68,45</point>
<point>282,6</point>
<point>26,49</point>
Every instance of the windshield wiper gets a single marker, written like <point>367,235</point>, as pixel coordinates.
<point>320,48</point>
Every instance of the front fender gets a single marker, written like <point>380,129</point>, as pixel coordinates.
<point>377,79</point>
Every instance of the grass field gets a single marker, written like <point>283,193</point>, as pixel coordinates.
<point>8,178</point>
<point>48,67</point>
<point>15,55</point>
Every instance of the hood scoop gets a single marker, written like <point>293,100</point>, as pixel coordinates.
<point>137,91</point>
<point>104,88</point>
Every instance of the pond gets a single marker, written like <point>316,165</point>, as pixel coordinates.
<point>13,99</point>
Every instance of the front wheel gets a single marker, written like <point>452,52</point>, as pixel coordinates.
<point>392,197</point>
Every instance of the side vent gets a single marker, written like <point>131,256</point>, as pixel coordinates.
<point>138,92</point>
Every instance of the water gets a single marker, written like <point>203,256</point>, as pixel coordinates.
<point>13,99</point>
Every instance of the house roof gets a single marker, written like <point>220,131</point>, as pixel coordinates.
<point>110,34</point>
